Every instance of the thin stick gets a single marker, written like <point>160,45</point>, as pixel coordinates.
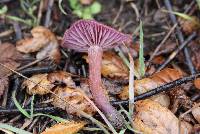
<point>180,36</point>
<point>37,109</point>
<point>48,13</point>
<point>77,110</point>
<point>31,64</point>
<point>161,44</point>
<point>166,87</point>
<point>39,16</point>
<point>173,54</point>
<point>119,12</point>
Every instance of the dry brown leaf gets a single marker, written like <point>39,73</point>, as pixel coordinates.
<point>44,41</point>
<point>141,86</point>
<point>62,77</point>
<point>42,87</point>
<point>113,66</point>
<point>69,127</point>
<point>190,25</point>
<point>151,118</point>
<point>8,56</point>
<point>47,81</point>
<point>196,113</point>
<point>163,99</point>
<point>197,83</point>
<point>75,98</point>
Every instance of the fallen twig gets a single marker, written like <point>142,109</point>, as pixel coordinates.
<point>166,87</point>
<point>173,54</point>
<point>36,110</point>
<point>180,36</point>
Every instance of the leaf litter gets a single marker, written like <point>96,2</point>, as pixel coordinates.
<point>160,113</point>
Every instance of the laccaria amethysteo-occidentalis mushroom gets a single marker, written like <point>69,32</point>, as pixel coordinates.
<point>93,37</point>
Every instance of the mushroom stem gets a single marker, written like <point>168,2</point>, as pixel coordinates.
<point>99,94</point>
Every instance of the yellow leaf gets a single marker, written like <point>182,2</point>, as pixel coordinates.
<point>69,127</point>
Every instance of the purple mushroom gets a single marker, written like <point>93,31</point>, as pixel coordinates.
<point>93,37</point>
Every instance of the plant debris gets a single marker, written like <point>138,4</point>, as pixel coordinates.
<point>96,66</point>
<point>44,42</point>
<point>151,118</point>
<point>69,127</point>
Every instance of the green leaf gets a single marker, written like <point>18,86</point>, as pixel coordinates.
<point>3,10</point>
<point>24,112</point>
<point>95,8</point>
<point>87,13</point>
<point>87,16</point>
<point>73,4</point>
<point>13,129</point>
<point>122,131</point>
<point>141,53</point>
<point>78,12</point>
<point>58,119</point>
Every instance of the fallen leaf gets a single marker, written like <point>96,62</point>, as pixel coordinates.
<point>197,83</point>
<point>190,25</point>
<point>196,113</point>
<point>45,82</point>
<point>9,56</point>
<point>75,101</point>
<point>152,118</point>
<point>69,127</point>
<point>178,98</point>
<point>141,86</point>
<point>43,41</point>
<point>40,86</point>
<point>158,60</point>
<point>163,99</point>
<point>113,66</point>
<point>62,77</point>
<point>168,47</point>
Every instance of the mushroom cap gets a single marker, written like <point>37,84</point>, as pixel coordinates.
<point>85,33</point>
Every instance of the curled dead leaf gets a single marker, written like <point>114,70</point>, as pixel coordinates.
<point>45,82</point>
<point>151,118</point>
<point>69,127</point>
<point>196,113</point>
<point>62,77</point>
<point>141,86</point>
<point>113,66</point>
<point>44,41</point>
<point>75,101</point>
<point>40,86</point>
